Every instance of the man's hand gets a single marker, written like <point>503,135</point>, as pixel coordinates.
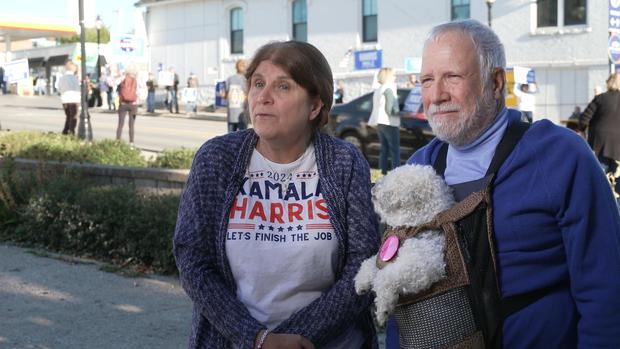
<point>286,341</point>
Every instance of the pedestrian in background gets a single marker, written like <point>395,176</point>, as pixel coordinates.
<point>151,84</point>
<point>128,103</point>
<point>70,95</point>
<point>172,91</point>
<point>235,94</point>
<point>527,101</point>
<point>602,120</point>
<point>542,249</point>
<point>339,94</point>
<point>2,80</point>
<point>190,96</point>
<point>275,270</point>
<point>111,95</point>
<point>385,118</point>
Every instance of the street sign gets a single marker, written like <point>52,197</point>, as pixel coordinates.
<point>369,59</point>
<point>613,48</point>
<point>413,64</point>
<point>614,16</point>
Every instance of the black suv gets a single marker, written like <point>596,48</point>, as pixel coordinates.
<point>349,122</point>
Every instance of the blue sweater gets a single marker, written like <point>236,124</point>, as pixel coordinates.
<point>555,220</point>
<point>219,318</point>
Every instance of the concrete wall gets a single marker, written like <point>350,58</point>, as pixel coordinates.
<point>146,179</point>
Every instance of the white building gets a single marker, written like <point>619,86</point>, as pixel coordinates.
<point>565,41</point>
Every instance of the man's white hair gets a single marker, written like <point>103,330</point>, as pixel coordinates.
<point>489,49</point>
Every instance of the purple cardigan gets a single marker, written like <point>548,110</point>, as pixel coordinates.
<point>219,318</point>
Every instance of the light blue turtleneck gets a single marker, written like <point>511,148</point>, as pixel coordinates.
<point>470,162</point>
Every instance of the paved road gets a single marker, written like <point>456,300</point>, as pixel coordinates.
<point>153,132</point>
<point>54,304</point>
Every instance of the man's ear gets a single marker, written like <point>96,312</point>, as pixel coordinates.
<point>499,83</point>
<point>316,107</point>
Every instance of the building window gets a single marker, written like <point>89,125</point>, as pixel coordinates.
<point>236,30</point>
<point>369,22</point>
<point>300,20</point>
<point>559,13</point>
<point>575,12</point>
<point>460,9</point>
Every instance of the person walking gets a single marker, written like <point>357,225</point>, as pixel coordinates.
<point>385,118</point>
<point>128,104</point>
<point>275,221</point>
<point>601,118</point>
<point>235,94</point>
<point>70,95</point>
<point>151,84</point>
<point>111,95</point>
<point>541,248</point>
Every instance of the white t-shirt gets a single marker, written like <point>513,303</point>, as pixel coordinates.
<point>280,245</point>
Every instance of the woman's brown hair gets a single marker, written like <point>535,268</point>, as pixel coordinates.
<point>307,67</point>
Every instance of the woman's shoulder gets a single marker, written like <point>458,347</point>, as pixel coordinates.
<point>341,149</point>
<point>224,146</point>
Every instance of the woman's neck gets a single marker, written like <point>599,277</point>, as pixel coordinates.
<point>282,152</point>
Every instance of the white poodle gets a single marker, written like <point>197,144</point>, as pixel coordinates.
<point>409,196</point>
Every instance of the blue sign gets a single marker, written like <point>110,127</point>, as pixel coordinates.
<point>414,99</point>
<point>614,16</point>
<point>613,48</point>
<point>220,86</point>
<point>370,59</point>
<point>531,77</point>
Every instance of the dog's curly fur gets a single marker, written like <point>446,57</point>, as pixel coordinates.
<point>410,195</point>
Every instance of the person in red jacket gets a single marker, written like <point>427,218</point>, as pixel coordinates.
<point>128,103</point>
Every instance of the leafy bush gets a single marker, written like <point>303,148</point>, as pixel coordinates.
<point>175,158</point>
<point>72,215</point>
<point>53,146</point>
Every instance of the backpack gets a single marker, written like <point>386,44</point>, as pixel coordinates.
<point>127,90</point>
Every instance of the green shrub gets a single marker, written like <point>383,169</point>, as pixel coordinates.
<point>112,223</point>
<point>174,158</point>
<point>57,147</point>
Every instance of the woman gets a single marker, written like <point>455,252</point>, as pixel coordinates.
<point>70,95</point>
<point>275,220</point>
<point>385,117</point>
<point>602,120</point>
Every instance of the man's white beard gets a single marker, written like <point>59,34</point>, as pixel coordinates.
<point>466,127</point>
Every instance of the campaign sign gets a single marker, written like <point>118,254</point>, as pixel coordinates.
<point>414,99</point>
<point>16,71</point>
<point>614,16</point>
<point>369,59</point>
<point>613,48</point>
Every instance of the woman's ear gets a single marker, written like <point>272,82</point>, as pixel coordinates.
<point>316,107</point>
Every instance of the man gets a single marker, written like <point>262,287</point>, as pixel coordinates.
<point>71,96</point>
<point>527,101</point>
<point>555,229</point>
<point>128,104</point>
<point>235,93</point>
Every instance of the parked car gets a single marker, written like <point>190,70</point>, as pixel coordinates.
<point>349,122</point>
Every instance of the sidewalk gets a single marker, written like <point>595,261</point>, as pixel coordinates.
<point>51,303</point>
<point>218,115</point>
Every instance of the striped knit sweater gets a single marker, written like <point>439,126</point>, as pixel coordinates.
<point>219,318</point>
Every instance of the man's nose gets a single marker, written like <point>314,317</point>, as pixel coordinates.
<point>438,93</point>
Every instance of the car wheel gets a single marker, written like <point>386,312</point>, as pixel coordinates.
<point>355,139</point>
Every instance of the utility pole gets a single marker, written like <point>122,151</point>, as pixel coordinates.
<point>84,130</point>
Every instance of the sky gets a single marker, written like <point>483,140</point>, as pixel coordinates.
<point>116,14</point>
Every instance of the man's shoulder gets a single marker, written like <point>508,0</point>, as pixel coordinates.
<point>426,155</point>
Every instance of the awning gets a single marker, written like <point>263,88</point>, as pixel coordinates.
<point>36,62</point>
<point>57,60</point>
